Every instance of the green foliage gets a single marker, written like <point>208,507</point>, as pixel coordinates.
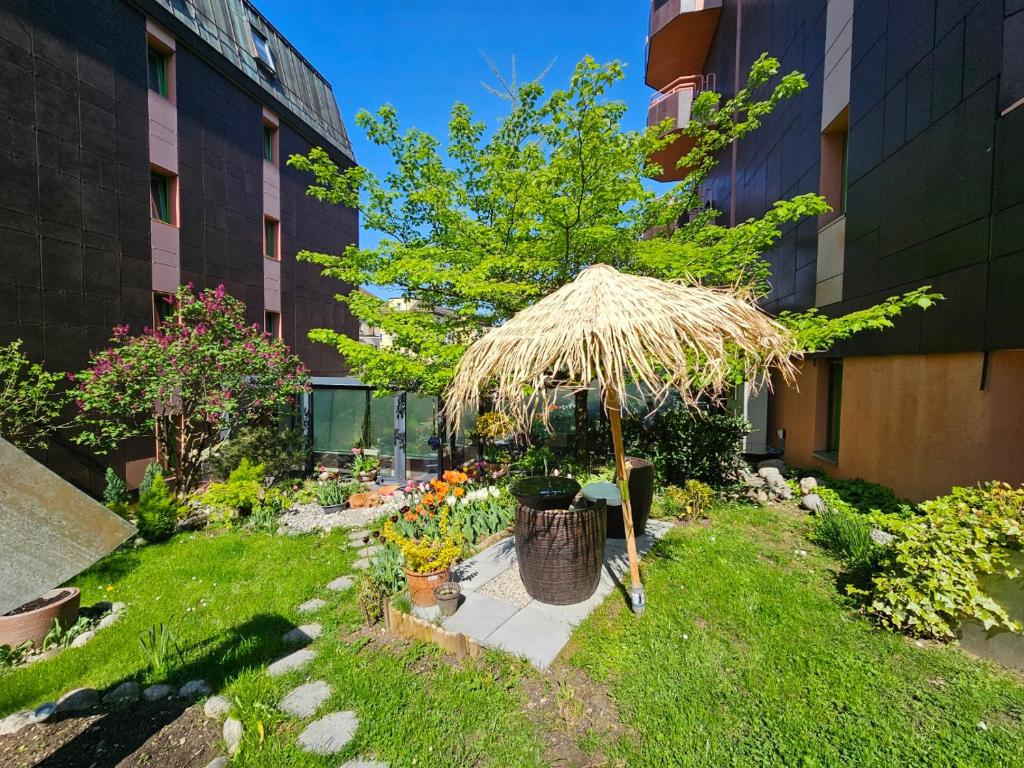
<point>846,535</point>
<point>380,581</point>
<point>243,491</point>
<point>691,502</point>
<point>474,229</point>
<point>13,655</point>
<point>161,651</point>
<point>930,580</point>
<point>202,371</point>
<point>58,637</point>
<point>333,492</point>
<point>151,472</point>
<point>283,452</point>
<point>537,460</point>
<point>482,512</point>
<point>687,444</point>
<point>863,496</point>
<point>157,511</point>
<point>30,404</point>
<point>364,463</point>
<point>115,492</point>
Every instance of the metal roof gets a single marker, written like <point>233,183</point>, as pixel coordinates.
<point>226,25</point>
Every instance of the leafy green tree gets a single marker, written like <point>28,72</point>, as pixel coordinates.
<point>30,403</point>
<point>471,234</point>
<point>203,371</point>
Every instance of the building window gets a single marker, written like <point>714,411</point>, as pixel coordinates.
<point>163,308</point>
<point>835,405</point>
<point>261,50</point>
<point>269,143</point>
<point>161,196</point>
<point>271,239</point>
<point>159,71</point>
<point>835,154</point>
<point>272,324</point>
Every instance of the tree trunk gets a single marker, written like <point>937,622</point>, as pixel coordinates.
<point>582,430</point>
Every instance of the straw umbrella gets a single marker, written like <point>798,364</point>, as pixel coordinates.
<point>615,329</point>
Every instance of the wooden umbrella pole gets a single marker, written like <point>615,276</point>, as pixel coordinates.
<point>637,590</point>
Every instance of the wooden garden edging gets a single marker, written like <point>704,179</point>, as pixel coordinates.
<point>412,628</point>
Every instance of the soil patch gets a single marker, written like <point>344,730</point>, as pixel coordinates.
<point>39,602</point>
<point>166,733</point>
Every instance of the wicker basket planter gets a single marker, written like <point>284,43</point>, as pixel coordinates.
<point>641,494</point>
<point>545,492</point>
<point>560,552</point>
<point>34,625</point>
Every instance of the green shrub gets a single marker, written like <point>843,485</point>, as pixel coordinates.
<point>115,493</point>
<point>158,511</point>
<point>242,492</point>
<point>282,452</point>
<point>930,579</point>
<point>537,460</point>
<point>151,471</point>
<point>847,536</point>
<point>688,444</point>
<point>690,502</point>
<point>860,495</point>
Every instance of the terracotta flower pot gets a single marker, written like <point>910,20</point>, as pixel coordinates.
<point>35,624</point>
<point>367,477</point>
<point>421,586</point>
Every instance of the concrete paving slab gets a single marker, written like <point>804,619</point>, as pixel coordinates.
<point>292,661</point>
<point>533,634</point>
<point>481,568</point>
<point>479,615</point>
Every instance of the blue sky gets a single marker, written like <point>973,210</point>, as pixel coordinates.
<point>423,55</point>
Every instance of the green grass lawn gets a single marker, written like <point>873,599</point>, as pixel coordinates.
<point>746,656</point>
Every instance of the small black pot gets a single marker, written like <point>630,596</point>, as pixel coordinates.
<point>545,492</point>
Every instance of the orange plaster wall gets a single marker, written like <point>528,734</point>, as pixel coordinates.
<point>917,423</point>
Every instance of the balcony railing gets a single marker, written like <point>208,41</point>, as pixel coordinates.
<point>676,99</point>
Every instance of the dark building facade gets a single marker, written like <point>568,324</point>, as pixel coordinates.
<point>142,146</point>
<point>912,127</point>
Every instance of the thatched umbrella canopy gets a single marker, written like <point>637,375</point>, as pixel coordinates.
<point>617,330</point>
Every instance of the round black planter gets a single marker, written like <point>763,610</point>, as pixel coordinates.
<point>545,492</point>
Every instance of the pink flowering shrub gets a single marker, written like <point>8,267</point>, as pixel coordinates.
<point>202,371</point>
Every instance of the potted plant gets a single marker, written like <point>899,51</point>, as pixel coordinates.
<point>365,465</point>
<point>428,556</point>
<point>32,621</point>
<point>332,495</point>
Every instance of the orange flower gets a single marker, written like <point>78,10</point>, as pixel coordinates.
<point>459,491</point>
<point>455,477</point>
<point>412,517</point>
<point>428,499</point>
<point>421,509</point>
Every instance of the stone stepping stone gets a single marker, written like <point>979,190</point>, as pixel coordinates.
<point>355,538</point>
<point>370,551</point>
<point>292,661</point>
<point>329,734</point>
<point>312,605</point>
<point>361,564</point>
<point>362,763</point>
<point>303,634</point>
<point>340,584</point>
<point>305,700</point>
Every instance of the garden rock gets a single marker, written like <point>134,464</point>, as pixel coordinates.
<point>807,484</point>
<point>83,638</point>
<point>216,707</point>
<point>109,620</point>
<point>340,584</point>
<point>195,689</point>
<point>305,700</point>
<point>292,661</point>
<point>769,472</point>
<point>370,551</point>
<point>232,734</point>
<point>125,693</point>
<point>882,538</point>
<point>194,522</point>
<point>303,634</point>
<point>157,692</point>
<point>312,606</point>
<point>813,503</point>
<point>361,564</point>
<point>360,763</point>
<point>218,762</point>
<point>117,607</point>
<point>138,541</point>
<point>14,723</point>
<point>78,700</point>
<point>777,464</point>
<point>356,537</point>
<point>329,734</point>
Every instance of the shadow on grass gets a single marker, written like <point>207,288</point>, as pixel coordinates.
<point>119,733</point>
